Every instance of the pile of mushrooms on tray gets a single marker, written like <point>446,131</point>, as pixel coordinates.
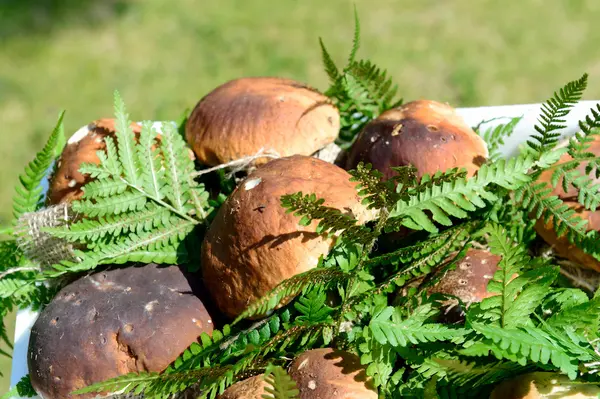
<point>128,319</point>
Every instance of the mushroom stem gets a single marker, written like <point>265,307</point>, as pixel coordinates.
<point>242,162</point>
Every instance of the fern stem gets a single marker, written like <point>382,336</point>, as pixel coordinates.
<point>18,270</point>
<point>346,303</point>
<point>161,202</point>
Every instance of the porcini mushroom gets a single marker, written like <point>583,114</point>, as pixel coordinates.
<point>544,385</point>
<point>243,116</point>
<point>468,281</point>
<point>328,373</point>
<point>112,323</point>
<point>250,388</point>
<point>426,134</point>
<point>66,182</point>
<point>253,244</point>
<point>562,245</point>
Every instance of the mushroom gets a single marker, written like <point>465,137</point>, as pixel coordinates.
<point>253,244</point>
<point>426,134</point>
<point>544,385</point>
<point>561,245</point>
<point>243,116</point>
<point>468,282</point>
<point>66,182</point>
<point>250,388</point>
<point>565,248</point>
<point>114,322</point>
<point>328,373</point>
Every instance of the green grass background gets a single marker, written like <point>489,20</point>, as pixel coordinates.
<point>164,56</point>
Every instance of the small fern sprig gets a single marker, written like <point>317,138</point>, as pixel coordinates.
<point>455,198</point>
<point>495,136</point>
<point>361,90</point>
<point>552,118</point>
<point>280,384</point>
<point>28,197</point>
<point>331,220</point>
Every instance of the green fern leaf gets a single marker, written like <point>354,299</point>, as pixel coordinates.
<point>388,328</point>
<point>115,205</point>
<point>495,136</point>
<point>176,188</point>
<point>552,118</point>
<point>28,195</point>
<point>281,385</point>
<point>355,40</point>
<point>312,307</point>
<point>330,68</point>
<point>152,173</point>
<point>527,344</point>
<point>292,287</point>
<point>126,142</point>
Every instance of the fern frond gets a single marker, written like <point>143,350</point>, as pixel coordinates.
<point>281,385</point>
<point>312,307</point>
<point>376,193</point>
<point>153,241</point>
<point>28,196</point>
<point>494,137</point>
<point>153,174</point>
<point>126,139</point>
<point>527,344</point>
<point>355,40</point>
<point>292,287</point>
<point>330,68</point>
<point>114,205</point>
<point>456,198</point>
<point>552,118</point>
<point>91,231</point>
<point>176,165</point>
<point>331,220</point>
<point>580,143</point>
<point>388,328</point>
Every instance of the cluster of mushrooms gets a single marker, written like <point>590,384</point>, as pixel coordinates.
<point>142,317</point>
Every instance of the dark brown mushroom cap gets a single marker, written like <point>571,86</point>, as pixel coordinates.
<point>253,244</point>
<point>66,182</point>
<point>242,116</point>
<point>469,280</point>
<point>544,385</point>
<point>114,322</point>
<point>562,246</point>
<point>328,373</point>
<point>426,134</point>
<point>250,388</point>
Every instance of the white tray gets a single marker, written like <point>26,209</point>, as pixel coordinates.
<point>473,116</point>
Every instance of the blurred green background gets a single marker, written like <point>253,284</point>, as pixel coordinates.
<point>164,56</point>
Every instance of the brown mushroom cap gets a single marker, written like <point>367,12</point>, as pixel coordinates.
<point>242,116</point>
<point>426,134</point>
<point>469,280</point>
<point>329,373</point>
<point>572,192</point>
<point>562,246</point>
<point>66,182</point>
<point>250,388</point>
<point>544,385</point>
<point>114,322</point>
<point>253,244</point>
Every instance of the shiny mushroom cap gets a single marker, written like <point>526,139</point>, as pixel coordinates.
<point>426,134</point>
<point>243,116</point>
<point>112,323</point>
<point>328,373</point>
<point>250,388</point>
<point>544,385</point>
<point>253,244</point>
<point>468,282</point>
<point>66,182</point>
